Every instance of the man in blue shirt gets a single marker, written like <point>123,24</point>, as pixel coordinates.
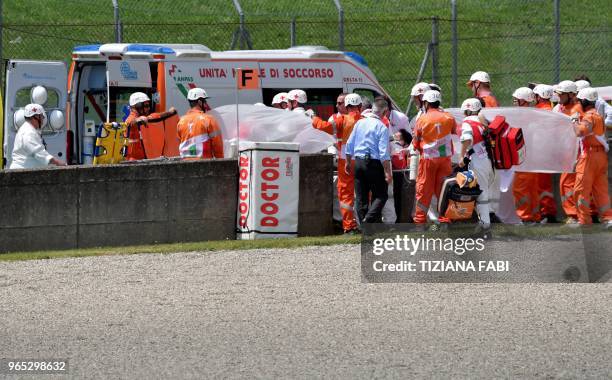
<point>369,146</point>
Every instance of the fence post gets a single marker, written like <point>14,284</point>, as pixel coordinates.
<point>454,52</point>
<point>340,25</point>
<point>435,26</point>
<point>557,11</point>
<point>118,27</point>
<point>241,35</point>
<point>241,18</point>
<point>292,32</point>
<point>419,75</point>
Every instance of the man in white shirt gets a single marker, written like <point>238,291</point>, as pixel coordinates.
<point>29,150</point>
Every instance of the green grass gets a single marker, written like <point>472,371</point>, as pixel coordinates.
<point>184,247</point>
<point>500,231</point>
<point>515,44</point>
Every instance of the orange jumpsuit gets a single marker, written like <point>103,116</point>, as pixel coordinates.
<point>432,138</point>
<point>200,136</point>
<point>135,149</point>
<point>342,126</point>
<point>567,180</point>
<point>525,189</point>
<point>490,100</point>
<point>592,169</point>
<point>548,206</point>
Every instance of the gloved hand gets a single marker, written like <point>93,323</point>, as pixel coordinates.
<point>310,113</point>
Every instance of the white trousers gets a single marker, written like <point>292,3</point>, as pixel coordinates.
<point>485,176</point>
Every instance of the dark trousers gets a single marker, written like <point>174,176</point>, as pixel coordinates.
<point>370,178</point>
<point>403,195</point>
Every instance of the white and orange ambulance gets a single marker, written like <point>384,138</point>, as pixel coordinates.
<point>97,86</point>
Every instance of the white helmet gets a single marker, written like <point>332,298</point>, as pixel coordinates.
<point>588,93</point>
<point>196,93</point>
<point>19,118</point>
<point>433,86</point>
<point>298,95</point>
<point>524,93</point>
<point>480,76</point>
<point>419,89</point>
<point>352,100</point>
<point>544,91</point>
<point>138,97</point>
<point>471,104</point>
<point>279,98</point>
<point>432,96</point>
<point>56,119</point>
<point>35,109</point>
<point>38,95</point>
<point>555,97</point>
<point>566,86</point>
<point>580,84</point>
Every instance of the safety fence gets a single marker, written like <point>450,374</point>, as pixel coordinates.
<point>515,41</point>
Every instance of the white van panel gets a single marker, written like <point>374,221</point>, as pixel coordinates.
<point>22,76</point>
<point>216,78</point>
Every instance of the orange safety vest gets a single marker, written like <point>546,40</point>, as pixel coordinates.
<point>135,150</point>
<point>348,122</point>
<point>432,134</point>
<point>544,106</point>
<point>490,100</point>
<point>571,109</point>
<point>593,135</point>
<point>199,135</point>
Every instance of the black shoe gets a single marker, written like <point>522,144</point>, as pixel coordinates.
<point>494,218</point>
<point>546,219</point>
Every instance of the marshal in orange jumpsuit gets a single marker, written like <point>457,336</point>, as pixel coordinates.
<point>548,206</point>
<point>592,169</point>
<point>567,180</point>
<point>200,136</point>
<point>432,138</point>
<point>135,150</point>
<point>342,126</point>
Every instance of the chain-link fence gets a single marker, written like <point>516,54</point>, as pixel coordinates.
<point>516,41</point>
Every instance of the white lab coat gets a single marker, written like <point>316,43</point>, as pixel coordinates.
<point>29,151</point>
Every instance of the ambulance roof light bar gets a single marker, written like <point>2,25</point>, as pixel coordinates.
<point>313,51</point>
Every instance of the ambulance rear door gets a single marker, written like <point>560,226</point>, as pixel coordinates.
<point>21,77</point>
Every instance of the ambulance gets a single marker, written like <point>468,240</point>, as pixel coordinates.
<point>97,85</point>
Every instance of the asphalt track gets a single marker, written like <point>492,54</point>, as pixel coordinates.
<point>298,313</point>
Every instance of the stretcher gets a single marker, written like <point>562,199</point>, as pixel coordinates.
<point>111,144</point>
<point>458,196</point>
